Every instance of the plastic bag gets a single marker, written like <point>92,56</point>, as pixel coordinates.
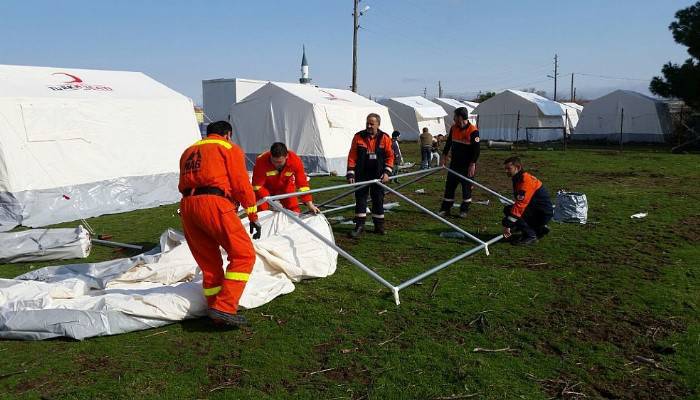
<point>571,207</point>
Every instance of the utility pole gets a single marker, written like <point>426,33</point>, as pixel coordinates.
<point>556,73</point>
<point>572,88</point>
<point>425,92</point>
<point>440,89</point>
<point>355,26</point>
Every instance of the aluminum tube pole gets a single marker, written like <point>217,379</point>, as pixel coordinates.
<point>450,224</point>
<point>332,245</point>
<point>493,192</point>
<point>341,208</point>
<point>323,189</point>
<point>420,171</point>
<point>447,263</point>
<point>116,244</point>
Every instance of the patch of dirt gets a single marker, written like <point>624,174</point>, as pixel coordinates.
<point>689,229</point>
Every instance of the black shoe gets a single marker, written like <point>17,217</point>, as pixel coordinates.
<point>544,230</point>
<point>229,319</point>
<point>526,241</point>
<point>379,226</point>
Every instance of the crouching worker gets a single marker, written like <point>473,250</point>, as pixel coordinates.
<point>280,171</point>
<point>213,183</point>
<point>532,209</point>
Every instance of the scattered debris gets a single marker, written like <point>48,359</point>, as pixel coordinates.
<point>432,292</point>
<point>652,362</point>
<point>638,215</point>
<point>321,371</point>
<point>483,202</point>
<point>482,350</point>
<point>382,312</point>
<point>157,333</point>
<point>390,340</point>
<point>420,191</point>
<point>457,396</point>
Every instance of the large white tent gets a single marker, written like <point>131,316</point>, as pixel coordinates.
<point>509,114</point>
<point>78,143</point>
<point>411,114</point>
<point>317,123</point>
<point>219,94</point>
<point>450,105</point>
<point>642,118</point>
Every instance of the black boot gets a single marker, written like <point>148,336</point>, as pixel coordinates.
<point>464,209</point>
<point>359,227</point>
<point>445,208</point>
<point>542,231</point>
<point>378,225</point>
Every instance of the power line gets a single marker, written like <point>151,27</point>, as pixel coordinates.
<point>611,77</point>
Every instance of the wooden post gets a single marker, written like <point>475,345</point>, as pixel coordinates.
<point>517,129</point>
<point>622,119</point>
<point>355,27</point>
<point>566,126</point>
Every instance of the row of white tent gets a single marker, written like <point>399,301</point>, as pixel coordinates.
<point>79,143</point>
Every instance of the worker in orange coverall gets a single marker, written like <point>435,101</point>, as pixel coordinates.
<point>280,171</point>
<point>213,183</point>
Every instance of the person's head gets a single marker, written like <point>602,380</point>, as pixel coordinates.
<point>278,155</point>
<point>395,135</point>
<point>373,121</point>
<point>512,166</point>
<point>440,137</point>
<point>221,128</point>
<point>461,116</point>
<point>425,130</point>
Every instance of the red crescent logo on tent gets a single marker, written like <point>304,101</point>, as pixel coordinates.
<point>75,78</point>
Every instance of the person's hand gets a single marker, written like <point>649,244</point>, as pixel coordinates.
<point>255,229</point>
<point>472,170</point>
<point>506,232</point>
<point>350,178</point>
<point>385,177</point>
<point>312,208</point>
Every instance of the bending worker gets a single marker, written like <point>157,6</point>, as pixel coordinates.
<point>280,171</point>
<point>213,182</point>
<point>462,148</point>
<point>532,209</point>
<point>370,158</point>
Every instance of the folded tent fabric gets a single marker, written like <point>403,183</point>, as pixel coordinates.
<point>155,288</point>
<point>44,245</point>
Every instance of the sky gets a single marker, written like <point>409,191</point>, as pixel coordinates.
<point>405,46</point>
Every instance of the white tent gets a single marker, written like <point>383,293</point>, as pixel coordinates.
<point>79,143</point>
<point>643,119</point>
<point>450,105</point>
<point>411,114</point>
<point>219,94</point>
<point>316,123</point>
<point>511,115</point>
<point>572,114</point>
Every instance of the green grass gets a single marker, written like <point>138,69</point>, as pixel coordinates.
<point>578,310</point>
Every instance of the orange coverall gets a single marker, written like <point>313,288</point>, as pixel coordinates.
<point>268,181</point>
<point>213,182</point>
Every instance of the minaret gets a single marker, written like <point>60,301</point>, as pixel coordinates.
<point>304,68</point>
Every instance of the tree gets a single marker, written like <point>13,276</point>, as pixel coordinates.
<point>683,81</point>
<point>482,97</point>
<point>535,91</point>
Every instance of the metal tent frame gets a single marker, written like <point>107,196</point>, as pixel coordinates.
<point>273,201</point>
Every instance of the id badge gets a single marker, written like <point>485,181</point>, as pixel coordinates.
<point>372,156</point>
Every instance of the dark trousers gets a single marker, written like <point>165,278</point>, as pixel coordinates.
<point>531,222</point>
<point>451,187</point>
<point>377,194</point>
<point>425,156</point>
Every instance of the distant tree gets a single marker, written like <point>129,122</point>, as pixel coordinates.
<point>482,97</point>
<point>683,81</point>
<point>535,91</point>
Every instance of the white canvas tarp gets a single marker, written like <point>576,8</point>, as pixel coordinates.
<point>44,245</point>
<point>316,123</point>
<point>507,116</point>
<point>155,288</point>
<point>409,115</point>
<point>643,119</point>
<point>450,105</point>
<point>79,143</point>
<point>572,114</point>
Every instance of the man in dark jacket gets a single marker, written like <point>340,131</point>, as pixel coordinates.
<point>370,157</point>
<point>462,148</point>
<point>532,209</point>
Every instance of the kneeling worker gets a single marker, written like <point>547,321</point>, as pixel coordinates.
<point>213,183</point>
<point>532,209</point>
<point>280,171</point>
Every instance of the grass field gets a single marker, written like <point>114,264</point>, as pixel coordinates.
<point>604,310</point>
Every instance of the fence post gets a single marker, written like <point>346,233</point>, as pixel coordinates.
<point>622,119</point>
<point>566,126</point>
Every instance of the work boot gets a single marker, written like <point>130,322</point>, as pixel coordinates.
<point>542,231</point>
<point>525,241</point>
<point>221,317</point>
<point>445,208</point>
<point>464,209</point>
<point>359,227</point>
<point>378,226</point>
